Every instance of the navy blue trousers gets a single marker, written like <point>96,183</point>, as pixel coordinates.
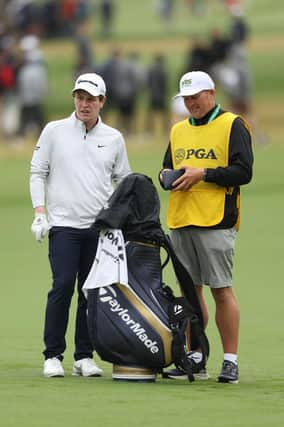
<point>71,255</point>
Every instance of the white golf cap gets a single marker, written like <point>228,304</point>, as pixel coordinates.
<point>28,43</point>
<point>91,83</point>
<point>194,82</point>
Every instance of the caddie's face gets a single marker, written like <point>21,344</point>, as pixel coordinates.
<point>88,107</point>
<point>199,104</point>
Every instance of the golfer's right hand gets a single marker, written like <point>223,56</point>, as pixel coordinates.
<point>40,226</point>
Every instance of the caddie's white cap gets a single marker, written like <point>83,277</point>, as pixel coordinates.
<point>91,83</point>
<point>194,82</point>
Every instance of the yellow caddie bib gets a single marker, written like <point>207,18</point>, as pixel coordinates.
<point>205,146</point>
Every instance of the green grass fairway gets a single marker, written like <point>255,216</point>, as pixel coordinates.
<point>29,400</point>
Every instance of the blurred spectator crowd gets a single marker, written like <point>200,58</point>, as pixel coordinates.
<point>24,77</point>
<point>224,56</point>
<point>129,82</point>
<point>23,86</point>
<point>23,71</point>
<point>48,18</point>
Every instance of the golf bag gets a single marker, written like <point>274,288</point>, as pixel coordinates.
<point>139,325</point>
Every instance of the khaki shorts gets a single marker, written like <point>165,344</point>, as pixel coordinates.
<point>207,254</point>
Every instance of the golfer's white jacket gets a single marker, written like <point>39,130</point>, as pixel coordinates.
<point>73,171</point>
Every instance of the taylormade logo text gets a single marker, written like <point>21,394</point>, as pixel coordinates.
<point>134,326</point>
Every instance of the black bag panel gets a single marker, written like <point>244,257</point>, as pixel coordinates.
<point>131,334</point>
<point>108,341</point>
<point>145,277</point>
<point>144,261</point>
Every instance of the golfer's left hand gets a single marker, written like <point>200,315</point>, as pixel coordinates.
<point>40,226</point>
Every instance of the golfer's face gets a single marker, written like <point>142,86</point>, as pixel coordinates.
<point>199,104</point>
<point>87,107</point>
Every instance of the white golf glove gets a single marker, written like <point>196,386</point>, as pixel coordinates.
<point>40,226</point>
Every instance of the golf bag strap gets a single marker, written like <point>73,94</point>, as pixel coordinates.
<point>188,289</point>
<point>185,280</point>
<point>180,314</point>
<point>201,338</point>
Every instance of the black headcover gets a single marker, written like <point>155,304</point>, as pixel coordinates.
<point>134,208</point>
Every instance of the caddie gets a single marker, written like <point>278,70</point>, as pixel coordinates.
<point>74,165</point>
<point>213,150</point>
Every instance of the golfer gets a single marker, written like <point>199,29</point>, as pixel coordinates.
<point>214,149</point>
<point>75,163</point>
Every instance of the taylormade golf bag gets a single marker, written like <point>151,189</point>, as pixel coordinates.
<point>136,322</point>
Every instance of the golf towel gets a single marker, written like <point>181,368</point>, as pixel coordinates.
<point>110,264</point>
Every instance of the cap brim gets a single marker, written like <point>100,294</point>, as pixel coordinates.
<point>88,88</point>
<point>189,93</point>
<point>180,94</point>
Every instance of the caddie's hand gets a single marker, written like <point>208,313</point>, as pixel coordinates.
<point>40,226</point>
<point>190,177</point>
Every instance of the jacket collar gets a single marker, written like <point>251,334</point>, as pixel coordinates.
<point>78,123</point>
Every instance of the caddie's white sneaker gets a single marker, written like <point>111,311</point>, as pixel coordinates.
<point>53,368</point>
<point>86,368</point>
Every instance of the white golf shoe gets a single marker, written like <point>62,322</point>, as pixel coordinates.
<point>53,368</point>
<point>86,368</point>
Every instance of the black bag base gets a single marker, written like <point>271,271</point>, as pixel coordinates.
<point>133,374</point>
